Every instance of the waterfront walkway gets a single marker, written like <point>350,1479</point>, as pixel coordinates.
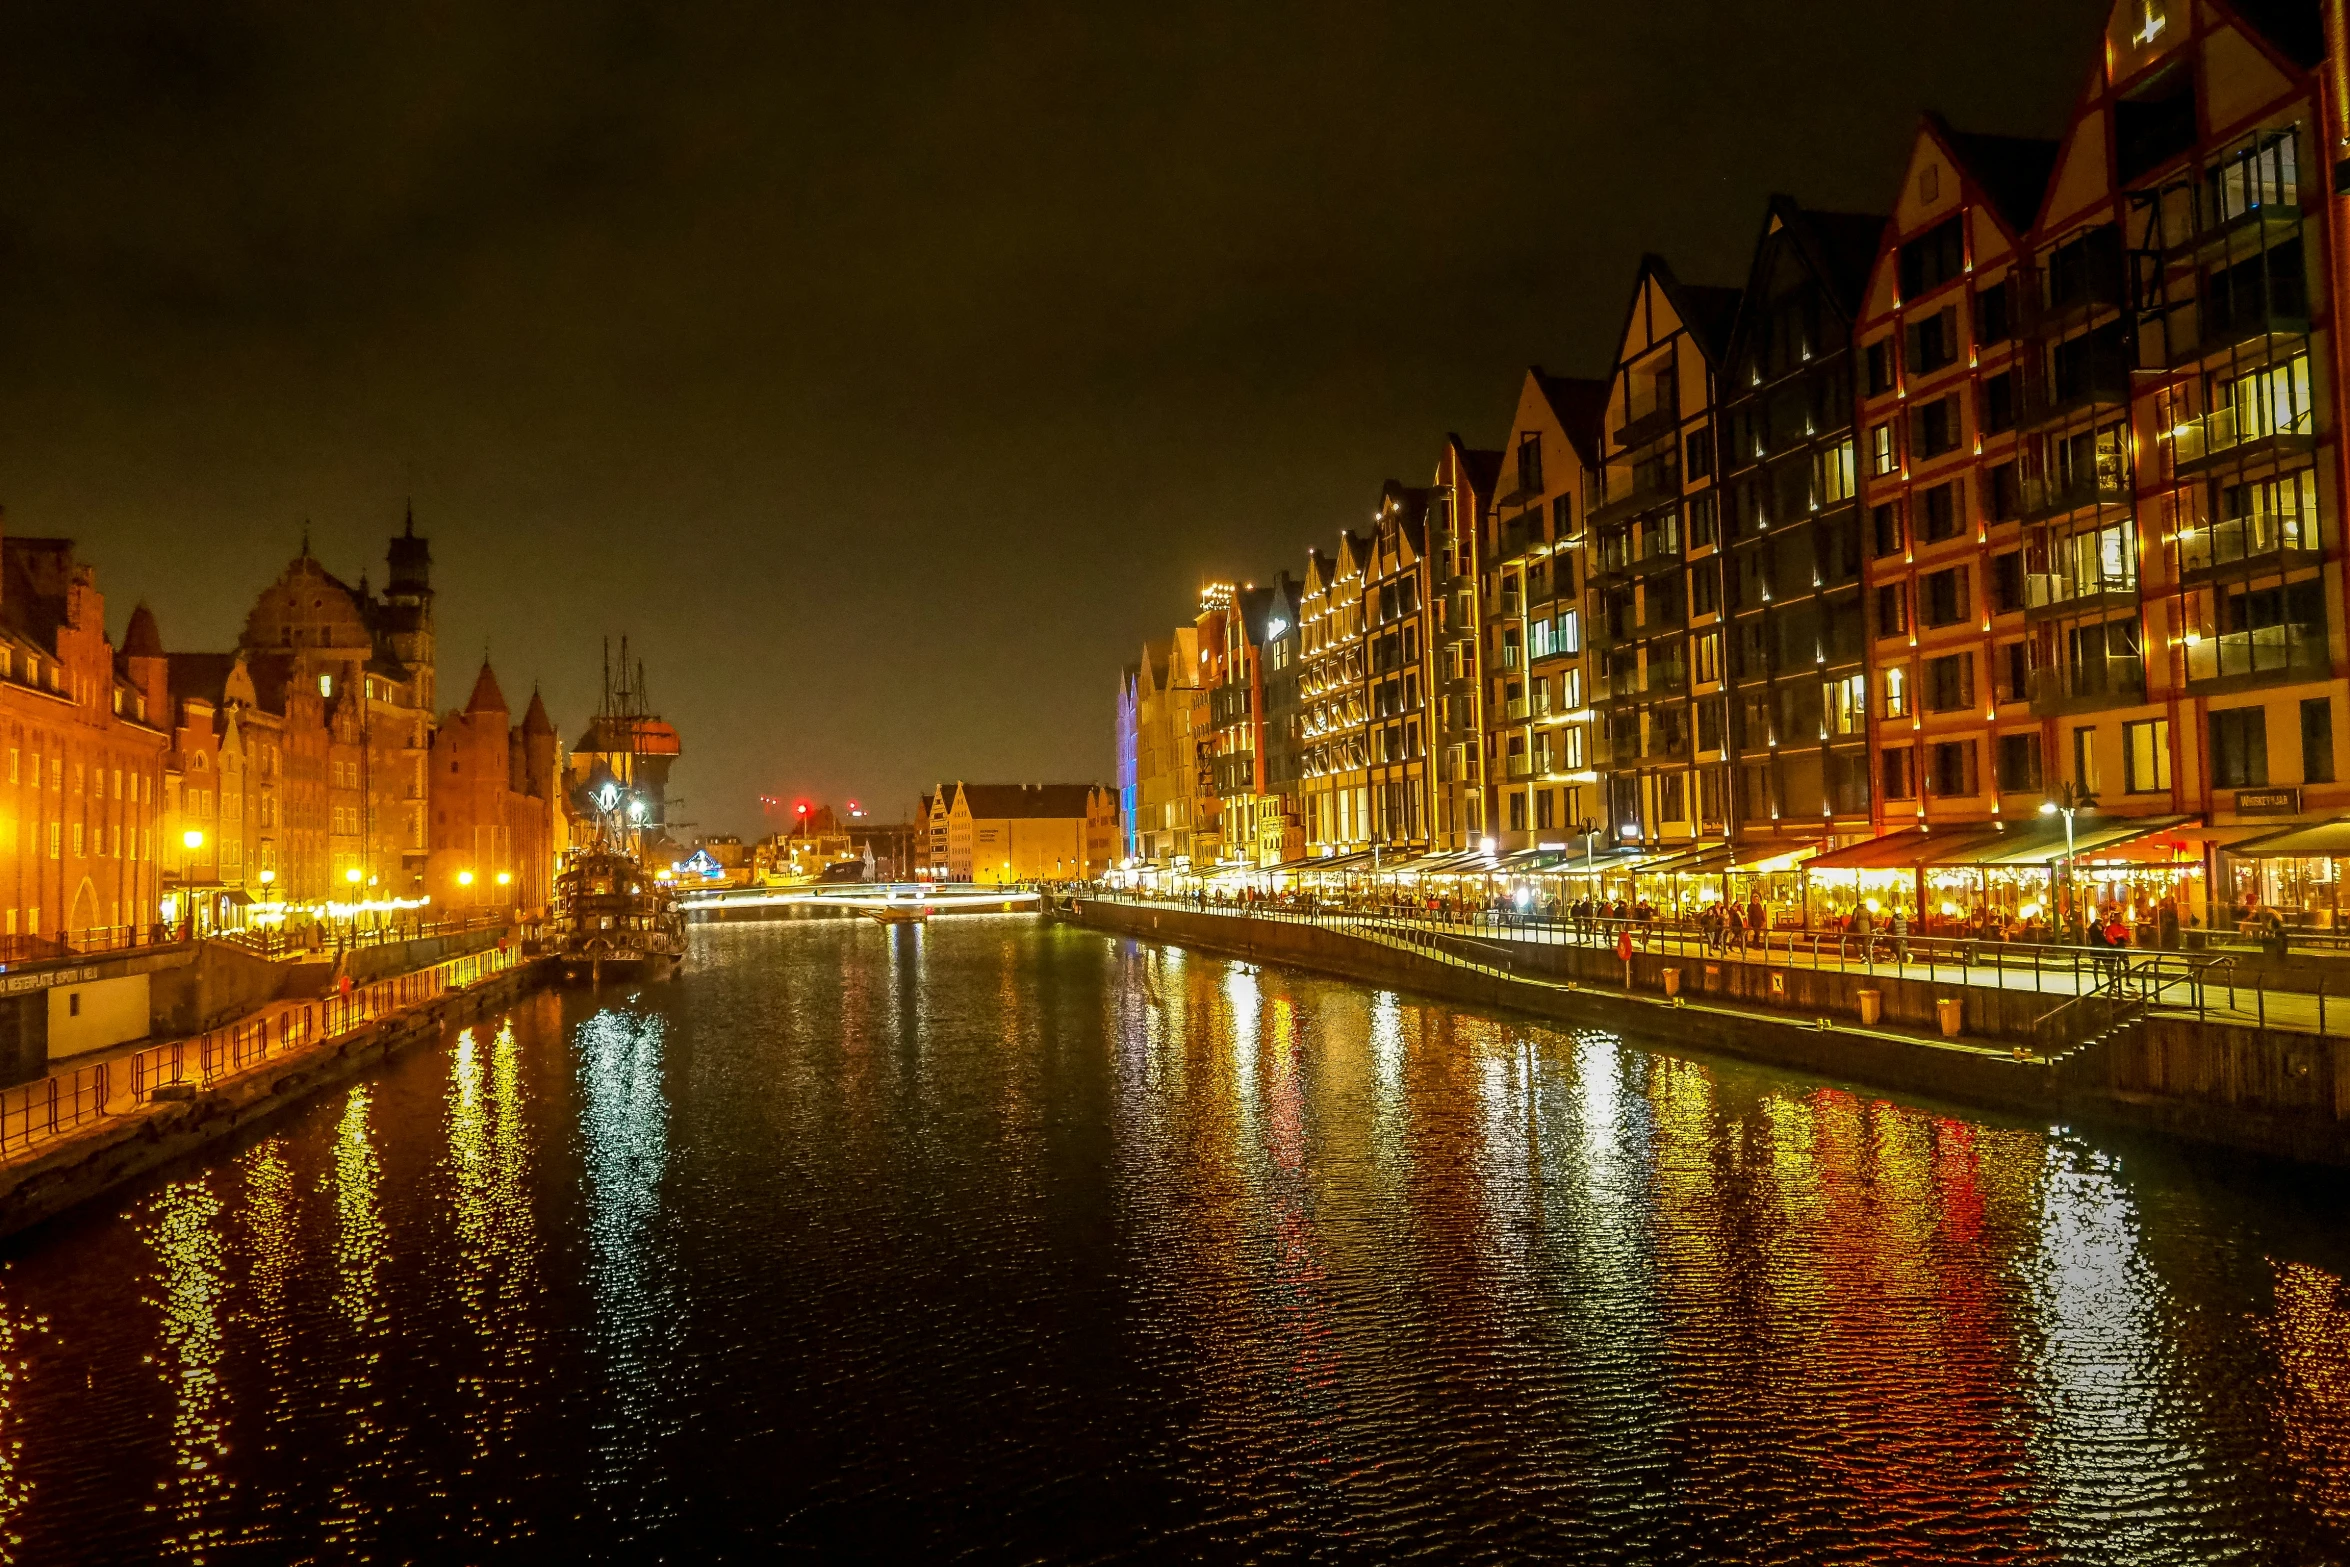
<point>2206,987</point>
<point>79,1098</point>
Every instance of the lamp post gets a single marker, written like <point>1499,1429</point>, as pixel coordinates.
<point>2070,800</point>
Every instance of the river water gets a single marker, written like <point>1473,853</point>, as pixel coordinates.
<point>999,1241</point>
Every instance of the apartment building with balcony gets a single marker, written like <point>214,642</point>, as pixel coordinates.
<point>1251,715</point>
<point>1460,513</point>
<point>1333,740</point>
<point>1398,584</point>
<point>1945,390</point>
<point>1779,678</point>
<point>2220,135</point>
<point>1539,726</point>
<point>1165,746</point>
<point>1653,531</point>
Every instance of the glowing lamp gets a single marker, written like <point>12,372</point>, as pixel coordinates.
<point>192,838</point>
<point>505,877</point>
<point>465,878</point>
<point>352,875</point>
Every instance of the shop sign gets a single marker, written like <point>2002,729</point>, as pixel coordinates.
<point>63,976</point>
<point>2268,802</point>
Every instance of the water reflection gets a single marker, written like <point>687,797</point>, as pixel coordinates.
<point>359,1258</point>
<point>183,1229</point>
<point>998,1241</point>
<point>624,1127</point>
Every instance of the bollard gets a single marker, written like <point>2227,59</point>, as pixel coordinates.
<point>1872,1007</point>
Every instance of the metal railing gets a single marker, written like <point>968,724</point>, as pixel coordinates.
<point>326,938</point>
<point>33,1113</point>
<point>2149,980</point>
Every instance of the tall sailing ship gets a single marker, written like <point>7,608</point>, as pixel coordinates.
<point>614,917</point>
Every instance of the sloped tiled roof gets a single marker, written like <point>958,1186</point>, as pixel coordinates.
<point>1027,802</point>
<point>2013,170</point>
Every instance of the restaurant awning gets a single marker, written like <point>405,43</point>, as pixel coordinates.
<point>1904,849</point>
<point>2042,842</point>
<point>1337,862</point>
<point>2324,840</point>
<point>1461,862</point>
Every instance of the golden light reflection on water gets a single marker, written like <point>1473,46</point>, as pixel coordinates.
<point>2311,1332</point>
<point>355,1178</point>
<point>274,1254</point>
<point>183,1231</point>
<point>624,1128</point>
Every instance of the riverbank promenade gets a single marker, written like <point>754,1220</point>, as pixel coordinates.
<point>2223,987</point>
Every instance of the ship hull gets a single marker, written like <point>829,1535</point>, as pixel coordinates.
<point>618,966</point>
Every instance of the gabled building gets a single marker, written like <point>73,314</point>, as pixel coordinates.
<point>1001,834</point>
<point>1539,718</point>
<point>86,738</point>
<point>1943,382</point>
<point>1781,677</point>
<point>1333,747</point>
<point>1654,564</point>
<point>1460,518</point>
<point>1397,581</point>
<point>1129,749</point>
<point>2181,429</point>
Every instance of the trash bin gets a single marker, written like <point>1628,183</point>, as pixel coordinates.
<point>1872,1006</point>
<point>1672,981</point>
<point>1949,1011</point>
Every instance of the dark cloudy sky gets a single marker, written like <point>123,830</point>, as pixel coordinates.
<point>887,371</point>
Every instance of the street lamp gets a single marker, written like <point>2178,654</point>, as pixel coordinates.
<point>2071,799</point>
<point>465,878</point>
<point>192,838</point>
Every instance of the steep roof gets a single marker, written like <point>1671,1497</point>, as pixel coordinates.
<point>534,717</point>
<point>1481,468</point>
<point>2296,27</point>
<point>486,698</point>
<point>1026,802</point>
<point>1580,404</point>
<point>199,677</point>
<point>140,639</point>
<point>2013,170</point>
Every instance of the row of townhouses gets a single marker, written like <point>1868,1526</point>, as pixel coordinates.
<point>1952,548</point>
<point>305,770</point>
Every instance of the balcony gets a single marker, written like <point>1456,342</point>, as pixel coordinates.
<point>2263,653</point>
<point>2271,538</point>
<point>2105,682</point>
<point>2048,593</point>
<point>2097,378</point>
<point>2238,434</point>
<point>1515,707</point>
<point>1651,484</point>
<point>1657,421</point>
<point>2223,329</point>
<point>2052,495</point>
<point>1637,551</point>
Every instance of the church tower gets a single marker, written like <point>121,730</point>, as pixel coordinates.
<point>408,598</point>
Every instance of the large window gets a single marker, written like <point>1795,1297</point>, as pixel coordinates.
<point>2317,740</point>
<point>1846,704</point>
<point>2146,756</point>
<point>1833,482</point>
<point>2019,764</point>
<point>2239,748</point>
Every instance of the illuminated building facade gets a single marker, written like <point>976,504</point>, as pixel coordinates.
<point>1460,512</point>
<point>1333,745</point>
<point>1538,707</point>
<point>1778,642</point>
<point>1654,533</point>
<point>1945,504</point>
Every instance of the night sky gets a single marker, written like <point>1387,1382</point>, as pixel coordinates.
<point>888,372</point>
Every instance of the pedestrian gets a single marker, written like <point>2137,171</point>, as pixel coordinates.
<point>2166,924</point>
<point>2274,942</point>
<point>1756,916</point>
<point>1711,923</point>
<point>1900,933</point>
<point>1734,929</point>
<point>1864,930</point>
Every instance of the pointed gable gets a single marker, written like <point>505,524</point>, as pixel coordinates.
<point>486,698</point>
